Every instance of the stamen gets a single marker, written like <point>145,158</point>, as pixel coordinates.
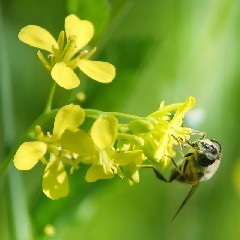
<point>44,161</point>
<point>59,148</point>
<point>83,53</point>
<point>50,55</point>
<point>69,49</point>
<point>68,156</point>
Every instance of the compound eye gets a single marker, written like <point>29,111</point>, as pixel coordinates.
<point>216,147</point>
<point>213,149</point>
<point>205,160</point>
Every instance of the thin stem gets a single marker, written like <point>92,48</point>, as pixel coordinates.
<point>125,136</point>
<point>92,113</point>
<point>50,98</point>
<point>123,115</point>
<point>96,113</point>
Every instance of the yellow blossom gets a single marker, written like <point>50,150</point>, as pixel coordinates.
<point>108,161</point>
<point>64,58</point>
<point>103,133</point>
<point>110,148</point>
<point>130,160</point>
<point>160,133</point>
<point>172,130</point>
<point>55,179</point>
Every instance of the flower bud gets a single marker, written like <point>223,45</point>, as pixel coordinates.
<point>140,126</point>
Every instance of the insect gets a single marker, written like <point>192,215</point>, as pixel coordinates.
<point>199,164</point>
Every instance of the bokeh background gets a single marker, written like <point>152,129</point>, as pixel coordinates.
<point>162,49</point>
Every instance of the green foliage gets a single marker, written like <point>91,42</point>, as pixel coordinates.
<point>162,50</point>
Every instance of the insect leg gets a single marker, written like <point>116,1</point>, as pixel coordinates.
<point>179,146</point>
<point>156,172</point>
<point>196,132</point>
<point>202,134</point>
<point>175,165</point>
<point>175,174</point>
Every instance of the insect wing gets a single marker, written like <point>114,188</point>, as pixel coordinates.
<point>192,190</point>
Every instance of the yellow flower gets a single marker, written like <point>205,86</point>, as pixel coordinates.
<point>65,58</point>
<point>159,141</point>
<point>173,130</point>
<point>108,161</point>
<point>130,160</point>
<point>104,133</point>
<point>55,179</point>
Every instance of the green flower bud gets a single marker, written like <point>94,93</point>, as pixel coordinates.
<point>140,126</point>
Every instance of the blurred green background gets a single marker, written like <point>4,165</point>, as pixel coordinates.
<point>162,49</point>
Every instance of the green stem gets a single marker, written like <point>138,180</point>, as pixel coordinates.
<point>50,98</point>
<point>92,113</point>
<point>96,113</point>
<point>125,136</point>
<point>123,115</point>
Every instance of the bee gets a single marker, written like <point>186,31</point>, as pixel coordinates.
<point>200,163</point>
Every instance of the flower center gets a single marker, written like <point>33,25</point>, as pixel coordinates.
<point>69,49</point>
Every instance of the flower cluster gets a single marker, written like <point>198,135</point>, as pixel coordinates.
<point>65,57</point>
<point>107,146</point>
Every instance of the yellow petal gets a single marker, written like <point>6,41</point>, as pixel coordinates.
<point>38,37</point>
<point>165,111</point>
<point>96,172</point>
<point>28,155</point>
<point>103,72</point>
<point>81,30</point>
<point>78,142</point>
<point>163,143</point>
<point>131,172</point>
<point>186,106</point>
<point>104,132</point>
<point>55,180</point>
<point>128,157</point>
<point>64,76</point>
<point>68,117</point>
